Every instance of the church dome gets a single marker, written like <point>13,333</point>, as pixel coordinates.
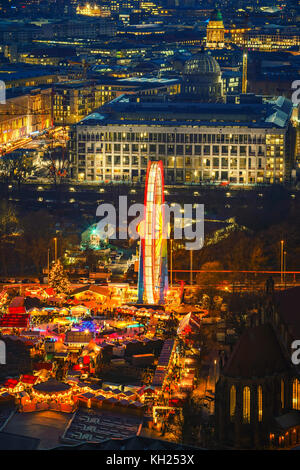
<point>202,80</point>
<point>216,15</point>
<point>201,64</point>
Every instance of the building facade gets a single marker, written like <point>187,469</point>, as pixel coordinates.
<point>26,110</point>
<point>258,392</point>
<point>74,100</point>
<point>215,31</point>
<point>198,143</point>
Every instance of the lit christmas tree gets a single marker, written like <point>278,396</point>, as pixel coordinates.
<point>58,279</point>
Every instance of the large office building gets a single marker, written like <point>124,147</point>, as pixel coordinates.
<point>246,143</point>
<point>265,38</point>
<point>73,100</point>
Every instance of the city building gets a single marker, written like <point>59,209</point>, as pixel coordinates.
<point>264,38</point>
<point>72,101</point>
<point>246,143</point>
<point>117,5</point>
<point>26,110</point>
<point>258,392</point>
<point>93,10</point>
<point>232,82</point>
<point>22,75</point>
<point>202,79</point>
<point>215,31</point>
<point>267,40</point>
<point>47,55</point>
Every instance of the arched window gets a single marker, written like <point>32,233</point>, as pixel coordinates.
<point>296,394</point>
<point>232,401</point>
<point>246,405</point>
<point>259,403</point>
<point>282,393</point>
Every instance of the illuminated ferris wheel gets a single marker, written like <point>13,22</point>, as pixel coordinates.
<point>153,275</point>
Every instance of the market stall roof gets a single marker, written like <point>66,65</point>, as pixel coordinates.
<point>49,291</point>
<point>190,322</point>
<point>145,389</point>
<point>17,305</point>
<point>129,393</point>
<point>52,386</point>
<point>99,290</point>
<point>82,385</point>
<point>14,320</point>
<point>112,400</point>
<point>11,383</point>
<point>87,395</point>
<point>95,387</point>
<point>29,379</point>
<point>99,398</point>
<point>137,404</point>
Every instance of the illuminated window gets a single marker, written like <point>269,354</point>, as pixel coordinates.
<point>296,393</point>
<point>232,401</point>
<point>259,403</point>
<point>246,405</point>
<point>282,393</point>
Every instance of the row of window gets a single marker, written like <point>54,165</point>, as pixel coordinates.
<point>246,400</point>
<point>172,149</point>
<point>246,403</point>
<point>172,137</point>
<point>183,162</point>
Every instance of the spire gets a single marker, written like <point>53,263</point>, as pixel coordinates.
<point>216,15</point>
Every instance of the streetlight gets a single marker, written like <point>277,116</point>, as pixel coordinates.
<point>171,261</point>
<point>215,371</point>
<point>191,267</point>
<point>284,266</point>
<point>48,262</point>
<point>281,260</point>
<point>55,248</point>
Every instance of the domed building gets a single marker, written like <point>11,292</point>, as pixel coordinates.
<point>202,79</point>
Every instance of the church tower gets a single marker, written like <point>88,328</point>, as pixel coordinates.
<point>215,31</point>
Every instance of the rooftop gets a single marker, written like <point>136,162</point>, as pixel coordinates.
<point>52,386</point>
<point>128,111</point>
<point>287,305</point>
<point>10,72</point>
<point>256,354</point>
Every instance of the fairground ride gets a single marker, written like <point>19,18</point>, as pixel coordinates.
<point>153,270</point>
